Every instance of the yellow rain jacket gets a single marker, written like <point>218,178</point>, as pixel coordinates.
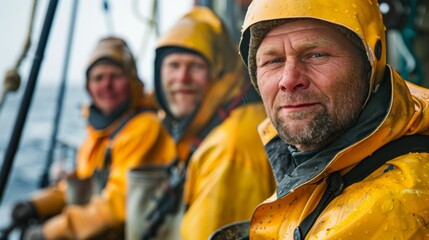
<point>143,139</point>
<point>228,174</point>
<point>393,201</point>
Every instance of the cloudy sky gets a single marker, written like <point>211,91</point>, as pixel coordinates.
<point>123,19</point>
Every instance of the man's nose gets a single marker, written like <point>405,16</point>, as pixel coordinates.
<point>107,81</point>
<point>184,74</point>
<point>293,78</point>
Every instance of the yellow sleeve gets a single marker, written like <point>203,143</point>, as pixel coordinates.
<point>81,222</point>
<point>136,144</point>
<point>49,201</point>
<point>228,176</point>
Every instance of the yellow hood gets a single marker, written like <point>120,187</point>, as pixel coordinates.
<point>361,17</point>
<point>203,32</point>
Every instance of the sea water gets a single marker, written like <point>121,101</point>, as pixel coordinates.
<point>30,159</point>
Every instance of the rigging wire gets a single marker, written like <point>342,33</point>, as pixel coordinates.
<point>12,79</point>
<point>44,181</point>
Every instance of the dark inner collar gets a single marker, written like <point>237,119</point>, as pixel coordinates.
<point>100,121</point>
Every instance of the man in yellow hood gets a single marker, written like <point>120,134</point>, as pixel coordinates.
<point>123,132</point>
<point>346,135</point>
<point>212,111</point>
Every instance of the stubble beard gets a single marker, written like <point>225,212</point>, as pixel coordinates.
<point>309,137</point>
<point>323,128</point>
<point>181,106</point>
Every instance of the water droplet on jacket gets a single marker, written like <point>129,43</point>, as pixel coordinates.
<point>335,10</point>
<point>387,206</point>
<point>386,227</point>
<point>354,5</point>
<point>370,2</point>
<point>346,11</point>
<point>404,226</point>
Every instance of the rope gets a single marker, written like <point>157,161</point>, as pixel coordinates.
<point>12,79</point>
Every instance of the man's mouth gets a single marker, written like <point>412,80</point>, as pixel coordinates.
<point>299,106</point>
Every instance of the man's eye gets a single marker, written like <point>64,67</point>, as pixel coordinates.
<point>272,61</point>
<point>173,65</point>
<point>276,60</point>
<point>317,55</point>
<point>264,61</point>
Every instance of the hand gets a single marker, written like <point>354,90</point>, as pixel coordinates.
<point>23,211</point>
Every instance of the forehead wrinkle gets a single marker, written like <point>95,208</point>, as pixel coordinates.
<point>306,43</point>
<point>291,28</point>
<point>271,48</point>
